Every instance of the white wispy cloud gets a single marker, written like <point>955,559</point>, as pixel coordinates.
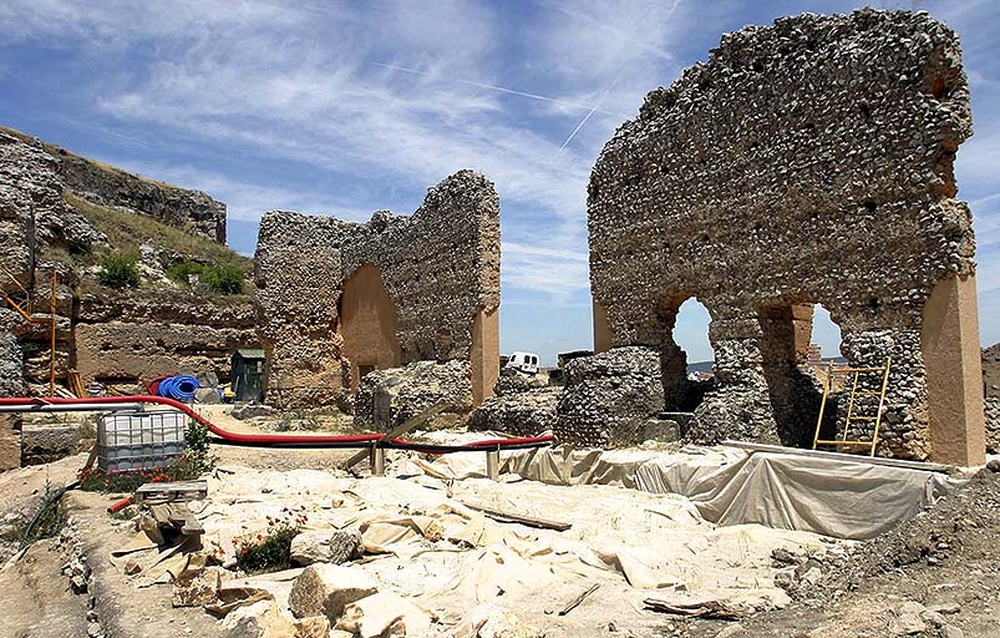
<point>405,91</point>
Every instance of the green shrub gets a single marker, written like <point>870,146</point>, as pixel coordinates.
<point>180,272</point>
<point>118,271</point>
<point>198,458</point>
<point>271,549</point>
<point>224,278</point>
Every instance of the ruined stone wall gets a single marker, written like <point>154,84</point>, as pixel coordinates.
<point>11,385</point>
<point>127,336</point>
<point>991,390</point>
<point>440,267</point>
<point>299,278</point>
<point>806,162</point>
<point>191,210</point>
<point>33,213</point>
<point>609,397</point>
<point>34,218</point>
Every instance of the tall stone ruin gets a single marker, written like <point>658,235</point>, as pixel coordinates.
<point>806,162</point>
<point>339,299</point>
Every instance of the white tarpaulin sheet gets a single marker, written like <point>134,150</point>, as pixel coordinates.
<point>834,495</point>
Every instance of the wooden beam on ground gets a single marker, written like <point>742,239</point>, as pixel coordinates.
<point>410,424</point>
<point>839,456</point>
<point>504,516</point>
<point>573,604</point>
<point>170,492</point>
<point>177,516</point>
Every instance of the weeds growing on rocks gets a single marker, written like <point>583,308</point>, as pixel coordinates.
<point>270,550</point>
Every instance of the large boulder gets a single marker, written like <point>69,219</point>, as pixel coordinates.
<point>522,414</point>
<point>387,398</point>
<point>384,614</point>
<point>609,397</point>
<point>513,381</point>
<point>324,590</point>
<point>338,546</point>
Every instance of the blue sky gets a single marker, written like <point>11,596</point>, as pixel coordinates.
<point>343,108</point>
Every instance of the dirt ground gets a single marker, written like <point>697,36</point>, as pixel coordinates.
<point>946,559</point>
<point>934,576</point>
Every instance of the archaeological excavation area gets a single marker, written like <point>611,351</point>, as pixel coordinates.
<point>324,440</point>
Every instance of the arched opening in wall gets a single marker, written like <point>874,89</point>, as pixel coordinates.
<point>793,367</point>
<point>825,336</point>
<point>686,356</point>
<point>368,323</point>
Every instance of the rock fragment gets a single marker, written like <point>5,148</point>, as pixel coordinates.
<point>323,589</point>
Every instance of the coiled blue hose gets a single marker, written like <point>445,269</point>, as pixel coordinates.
<point>180,387</point>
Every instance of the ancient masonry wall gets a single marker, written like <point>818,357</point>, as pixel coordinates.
<point>807,162</point>
<point>440,268</point>
<point>991,390</point>
<point>128,336</point>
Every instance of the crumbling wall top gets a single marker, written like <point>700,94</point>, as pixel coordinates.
<point>440,267</point>
<point>808,161</point>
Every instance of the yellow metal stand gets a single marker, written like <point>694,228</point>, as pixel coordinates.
<point>851,416</point>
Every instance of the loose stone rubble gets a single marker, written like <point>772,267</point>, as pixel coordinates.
<point>806,162</point>
<point>338,299</point>
<point>391,397</point>
<point>526,413</point>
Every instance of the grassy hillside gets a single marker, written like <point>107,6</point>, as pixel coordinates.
<point>126,232</point>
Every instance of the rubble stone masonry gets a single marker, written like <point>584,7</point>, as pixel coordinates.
<point>806,162</point>
<point>337,299</point>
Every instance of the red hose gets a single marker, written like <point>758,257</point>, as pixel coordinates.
<point>120,505</point>
<point>249,438</point>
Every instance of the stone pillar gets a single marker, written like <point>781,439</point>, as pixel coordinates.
<point>739,407</point>
<point>484,356</point>
<point>602,329</point>
<point>949,340</point>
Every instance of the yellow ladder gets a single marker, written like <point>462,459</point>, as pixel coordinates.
<point>851,416</point>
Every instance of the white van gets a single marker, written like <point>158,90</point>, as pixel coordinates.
<point>526,362</point>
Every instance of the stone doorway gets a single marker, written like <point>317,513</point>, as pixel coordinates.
<point>369,321</point>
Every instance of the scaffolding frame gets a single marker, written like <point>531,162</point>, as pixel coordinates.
<point>24,308</point>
